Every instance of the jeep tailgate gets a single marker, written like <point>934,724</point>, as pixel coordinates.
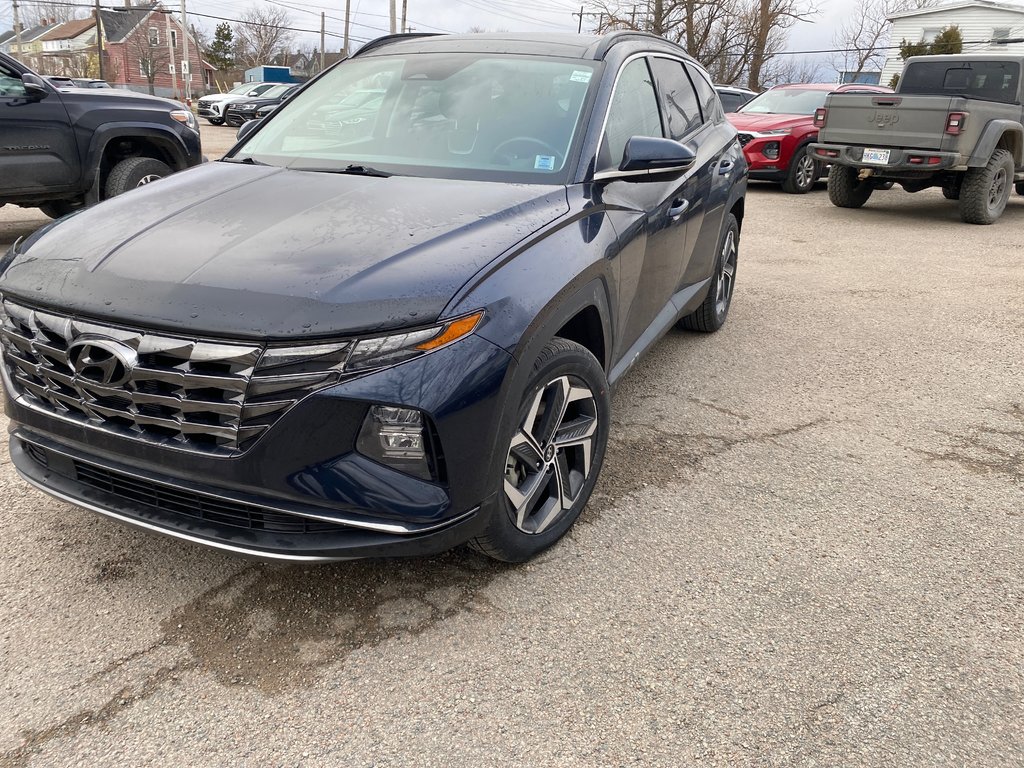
<point>887,120</point>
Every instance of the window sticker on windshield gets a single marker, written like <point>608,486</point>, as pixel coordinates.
<point>544,163</point>
<point>580,76</point>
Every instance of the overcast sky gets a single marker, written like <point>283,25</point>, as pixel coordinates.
<point>370,17</point>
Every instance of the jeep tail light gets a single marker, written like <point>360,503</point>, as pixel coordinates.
<point>820,115</point>
<point>955,123</point>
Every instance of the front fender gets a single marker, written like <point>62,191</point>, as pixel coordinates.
<point>168,139</point>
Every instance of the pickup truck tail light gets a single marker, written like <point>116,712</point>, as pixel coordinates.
<point>820,115</point>
<point>955,123</point>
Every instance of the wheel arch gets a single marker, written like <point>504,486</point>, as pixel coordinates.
<point>112,144</point>
<point>998,134</point>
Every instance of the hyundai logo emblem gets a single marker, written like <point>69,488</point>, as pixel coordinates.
<point>102,361</point>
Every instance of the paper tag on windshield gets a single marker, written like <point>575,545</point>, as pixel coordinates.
<point>580,76</point>
<point>544,163</point>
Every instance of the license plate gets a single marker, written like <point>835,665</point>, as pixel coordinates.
<point>876,156</point>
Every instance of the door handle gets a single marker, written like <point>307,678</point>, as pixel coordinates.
<point>679,206</point>
<point>724,167</point>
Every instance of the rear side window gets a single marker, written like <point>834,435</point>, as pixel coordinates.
<point>988,80</point>
<point>678,99</point>
<point>632,112</point>
<point>709,102</point>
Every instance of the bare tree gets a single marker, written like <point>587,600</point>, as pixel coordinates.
<point>863,36</point>
<point>767,22</point>
<point>152,56</point>
<point>261,34</point>
<point>36,12</point>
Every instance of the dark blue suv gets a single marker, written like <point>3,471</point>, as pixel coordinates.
<point>390,332</point>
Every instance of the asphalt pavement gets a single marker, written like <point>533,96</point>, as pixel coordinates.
<point>805,549</point>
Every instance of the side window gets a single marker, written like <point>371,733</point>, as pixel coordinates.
<point>632,112</point>
<point>678,99</point>
<point>10,83</point>
<point>708,96</point>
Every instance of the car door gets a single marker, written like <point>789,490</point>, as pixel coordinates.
<point>38,152</point>
<point>658,229</point>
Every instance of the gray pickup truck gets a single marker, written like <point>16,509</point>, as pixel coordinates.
<point>954,122</point>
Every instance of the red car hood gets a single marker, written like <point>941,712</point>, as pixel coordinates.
<point>755,123</point>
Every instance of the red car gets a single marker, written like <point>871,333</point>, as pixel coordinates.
<point>776,127</point>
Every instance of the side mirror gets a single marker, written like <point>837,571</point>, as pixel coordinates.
<point>655,154</point>
<point>35,88</point>
<point>247,127</point>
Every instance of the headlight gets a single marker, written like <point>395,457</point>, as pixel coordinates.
<point>776,132</point>
<point>185,117</point>
<point>366,354</point>
<point>247,107</point>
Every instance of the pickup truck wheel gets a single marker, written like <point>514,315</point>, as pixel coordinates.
<point>803,172</point>
<point>985,191</point>
<point>711,314</point>
<point>845,190</point>
<point>554,455</point>
<point>134,172</point>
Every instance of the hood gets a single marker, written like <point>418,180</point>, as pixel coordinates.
<point>749,121</point>
<point>96,94</point>
<point>241,251</point>
<point>222,97</point>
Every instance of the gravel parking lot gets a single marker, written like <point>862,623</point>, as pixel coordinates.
<point>805,549</point>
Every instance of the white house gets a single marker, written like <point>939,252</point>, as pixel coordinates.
<point>979,21</point>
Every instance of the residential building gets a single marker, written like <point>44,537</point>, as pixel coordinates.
<point>981,24</point>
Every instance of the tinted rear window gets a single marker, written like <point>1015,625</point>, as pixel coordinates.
<point>988,80</point>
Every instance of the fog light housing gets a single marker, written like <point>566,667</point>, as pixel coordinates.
<point>399,438</point>
<point>771,150</point>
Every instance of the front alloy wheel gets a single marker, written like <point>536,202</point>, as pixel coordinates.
<point>551,455</point>
<point>554,454</point>
<point>802,173</point>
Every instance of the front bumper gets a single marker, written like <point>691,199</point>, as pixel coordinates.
<point>302,492</point>
<point>899,159</point>
<point>209,110</point>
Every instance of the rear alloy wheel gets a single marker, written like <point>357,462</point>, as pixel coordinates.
<point>711,314</point>
<point>985,191</point>
<point>134,172</point>
<point>554,455</point>
<point>803,172</point>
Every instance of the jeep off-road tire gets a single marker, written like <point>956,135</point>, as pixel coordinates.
<point>845,190</point>
<point>985,191</point>
<point>134,172</point>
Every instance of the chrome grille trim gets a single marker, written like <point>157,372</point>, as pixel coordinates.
<point>188,394</point>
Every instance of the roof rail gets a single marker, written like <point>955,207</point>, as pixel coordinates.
<point>398,37</point>
<point>606,43</point>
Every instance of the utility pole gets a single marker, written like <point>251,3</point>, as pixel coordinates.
<point>170,47</point>
<point>17,28</point>
<point>405,7</point>
<point>348,6</point>
<point>323,33</point>
<point>99,40</point>
<point>579,27</point>
<point>394,20</point>
<point>186,64</point>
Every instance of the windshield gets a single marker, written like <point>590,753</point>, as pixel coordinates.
<point>275,91</point>
<point>482,116</point>
<point>986,80</point>
<point>243,88</point>
<point>786,101</point>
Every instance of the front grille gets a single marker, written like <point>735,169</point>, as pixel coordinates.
<point>744,139</point>
<point>207,396</point>
<point>196,506</point>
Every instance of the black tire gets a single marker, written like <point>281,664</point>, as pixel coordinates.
<point>1019,187</point>
<point>803,171</point>
<point>951,189</point>
<point>885,186</point>
<point>57,208</point>
<point>711,314</point>
<point>985,191</point>
<point>845,190</point>
<point>507,535</point>
<point>215,120</point>
<point>134,172</point>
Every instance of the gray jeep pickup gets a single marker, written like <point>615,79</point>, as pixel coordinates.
<point>954,122</point>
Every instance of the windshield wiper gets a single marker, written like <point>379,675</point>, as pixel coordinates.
<point>352,170</point>
<point>243,161</point>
